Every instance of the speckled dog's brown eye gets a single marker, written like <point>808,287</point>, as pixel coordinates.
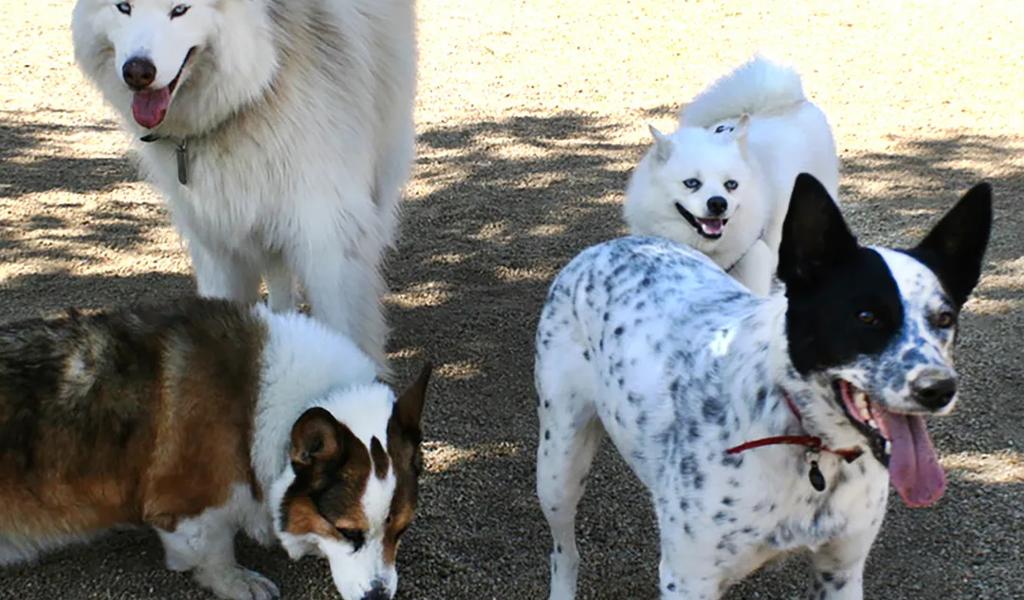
<point>944,320</point>
<point>867,317</point>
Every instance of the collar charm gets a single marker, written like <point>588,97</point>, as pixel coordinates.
<point>180,151</point>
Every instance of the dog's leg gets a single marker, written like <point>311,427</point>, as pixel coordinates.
<point>224,276</point>
<point>570,434</point>
<point>344,292</point>
<point>756,269</point>
<point>206,544</point>
<point>839,568</point>
<point>563,462</point>
<point>685,571</point>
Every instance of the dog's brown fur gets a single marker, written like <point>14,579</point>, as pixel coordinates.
<point>139,416</point>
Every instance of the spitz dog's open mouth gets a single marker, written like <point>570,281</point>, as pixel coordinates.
<point>712,229</point>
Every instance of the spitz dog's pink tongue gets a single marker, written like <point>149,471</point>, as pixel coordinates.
<point>150,106</point>
<point>712,226</point>
<point>913,465</point>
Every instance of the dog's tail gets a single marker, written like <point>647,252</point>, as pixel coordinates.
<point>758,86</point>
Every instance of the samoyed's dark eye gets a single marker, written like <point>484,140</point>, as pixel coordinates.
<point>692,184</point>
<point>179,10</point>
<point>124,7</point>
<point>731,185</point>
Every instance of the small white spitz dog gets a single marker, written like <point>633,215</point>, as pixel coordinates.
<point>722,181</point>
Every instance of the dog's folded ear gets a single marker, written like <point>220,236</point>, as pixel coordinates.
<point>955,248</point>
<point>405,418</point>
<point>318,438</point>
<point>815,237</point>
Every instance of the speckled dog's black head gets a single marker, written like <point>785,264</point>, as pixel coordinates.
<point>878,325</point>
<point>833,284</point>
<point>843,299</point>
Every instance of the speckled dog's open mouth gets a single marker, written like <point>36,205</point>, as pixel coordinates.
<point>709,228</point>
<point>899,441</point>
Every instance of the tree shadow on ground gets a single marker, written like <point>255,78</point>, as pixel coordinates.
<point>65,227</point>
<point>22,173</point>
<point>508,203</point>
<point>498,207</point>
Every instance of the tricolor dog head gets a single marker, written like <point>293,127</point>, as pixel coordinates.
<point>879,325</point>
<point>704,176</point>
<point>352,499</point>
<point>144,54</point>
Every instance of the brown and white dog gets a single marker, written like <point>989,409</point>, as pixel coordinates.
<point>200,420</point>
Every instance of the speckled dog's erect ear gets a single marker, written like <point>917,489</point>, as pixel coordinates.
<point>815,237</point>
<point>955,247</point>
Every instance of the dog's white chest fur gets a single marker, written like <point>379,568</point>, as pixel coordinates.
<point>678,363</point>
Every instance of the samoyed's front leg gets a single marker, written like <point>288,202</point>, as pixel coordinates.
<point>756,269</point>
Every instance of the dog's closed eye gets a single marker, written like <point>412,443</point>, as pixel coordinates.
<point>355,537</point>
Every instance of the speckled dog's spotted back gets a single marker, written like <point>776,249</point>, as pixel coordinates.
<point>653,343</point>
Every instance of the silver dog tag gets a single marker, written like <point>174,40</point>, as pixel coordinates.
<point>182,152</point>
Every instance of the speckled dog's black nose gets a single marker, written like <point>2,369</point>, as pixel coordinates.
<point>934,393</point>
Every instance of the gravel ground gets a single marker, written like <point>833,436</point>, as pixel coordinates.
<point>530,115</point>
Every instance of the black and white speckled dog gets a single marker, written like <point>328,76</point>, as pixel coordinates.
<point>759,425</point>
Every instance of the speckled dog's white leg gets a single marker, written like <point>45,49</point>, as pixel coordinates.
<point>570,434</point>
<point>560,484</point>
<point>839,566</point>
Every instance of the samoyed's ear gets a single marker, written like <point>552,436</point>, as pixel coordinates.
<point>662,144</point>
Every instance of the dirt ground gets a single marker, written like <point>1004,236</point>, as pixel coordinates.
<point>530,115</point>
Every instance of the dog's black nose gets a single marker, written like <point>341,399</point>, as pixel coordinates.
<point>934,393</point>
<point>138,73</point>
<point>377,592</point>
<point>717,205</point>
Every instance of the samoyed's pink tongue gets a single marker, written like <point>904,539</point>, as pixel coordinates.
<point>150,106</point>
<point>711,226</point>
<point>913,466</point>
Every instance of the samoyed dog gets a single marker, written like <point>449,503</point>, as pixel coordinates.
<point>721,182</point>
<point>280,133</point>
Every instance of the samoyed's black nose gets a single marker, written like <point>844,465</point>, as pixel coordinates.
<point>934,391</point>
<point>717,205</point>
<point>138,73</point>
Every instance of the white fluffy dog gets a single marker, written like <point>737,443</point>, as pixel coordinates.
<point>280,133</point>
<point>721,182</point>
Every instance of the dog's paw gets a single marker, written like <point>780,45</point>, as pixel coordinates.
<point>236,583</point>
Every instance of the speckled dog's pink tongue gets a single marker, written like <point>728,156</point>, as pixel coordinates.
<point>913,465</point>
<point>150,106</point>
